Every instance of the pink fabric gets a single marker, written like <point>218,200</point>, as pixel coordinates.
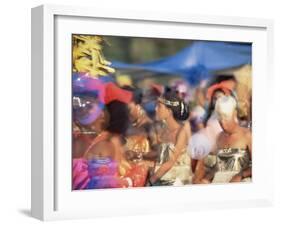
<point>80,177</point>
<point>96,84</point>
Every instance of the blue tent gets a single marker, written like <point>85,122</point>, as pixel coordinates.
<point>198,60</point>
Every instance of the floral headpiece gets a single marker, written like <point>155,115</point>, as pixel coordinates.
<point>173,104</point>
<point>169,102</point>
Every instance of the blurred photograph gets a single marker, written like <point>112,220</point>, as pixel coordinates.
<point>160,112</point>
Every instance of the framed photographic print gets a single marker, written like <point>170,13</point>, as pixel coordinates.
<point>138,112</point>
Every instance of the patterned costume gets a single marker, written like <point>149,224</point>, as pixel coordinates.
<point>227,163</point>
<point>180,173</point>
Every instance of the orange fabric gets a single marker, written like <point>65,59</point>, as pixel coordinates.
<point>138,174</point>
<point>225,86</point>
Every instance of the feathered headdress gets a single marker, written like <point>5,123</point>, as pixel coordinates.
<point>87,56</point>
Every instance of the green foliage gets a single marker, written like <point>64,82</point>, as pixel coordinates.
<point>140,50</point>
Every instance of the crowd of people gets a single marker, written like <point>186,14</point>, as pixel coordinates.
<point>129,136</point>
<point>118,143</point>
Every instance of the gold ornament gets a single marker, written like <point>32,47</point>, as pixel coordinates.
<point>138,143</point>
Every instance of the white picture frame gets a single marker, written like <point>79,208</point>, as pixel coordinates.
<point>52,197</point>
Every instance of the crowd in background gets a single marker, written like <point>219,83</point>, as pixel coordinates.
<point>127,134</point>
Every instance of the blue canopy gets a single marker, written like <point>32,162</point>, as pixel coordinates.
<point>198,60</point>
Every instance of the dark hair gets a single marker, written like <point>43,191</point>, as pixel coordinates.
<point>212,104</point>
<point>223,77</point>
<point>118,117</point>
<point>211,107</point>
<point>181,111</point>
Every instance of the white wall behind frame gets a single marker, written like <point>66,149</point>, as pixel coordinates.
<point>15,180</point>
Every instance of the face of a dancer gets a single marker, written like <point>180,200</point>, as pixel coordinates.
<point>228,122</point>
<point>162,112</point>
<point>101,122</point>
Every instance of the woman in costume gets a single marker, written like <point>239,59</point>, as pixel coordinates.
<point>98,159</point>
<point>106,163</point>
<point>173,166</point>
<point>141,138</point>
<point>231,159</point>
<point>89,65</point>
<point>203,141</point>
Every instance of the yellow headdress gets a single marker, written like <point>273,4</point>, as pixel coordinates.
<point>88,57</point>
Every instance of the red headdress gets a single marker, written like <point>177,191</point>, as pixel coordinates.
<point>225,86</point>
<point>113,92</point>
<point>158,89</point>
